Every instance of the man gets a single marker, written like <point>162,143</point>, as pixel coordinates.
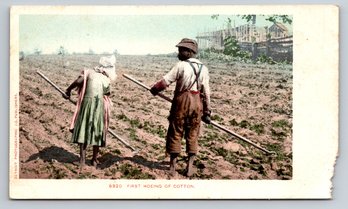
<point>191,103</point>
<point>91,118</point>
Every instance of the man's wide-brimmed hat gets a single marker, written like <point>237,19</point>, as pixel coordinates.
<point>188,43</point>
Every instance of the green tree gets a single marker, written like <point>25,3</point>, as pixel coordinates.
<point>252,18</point>
<point>231,46</point>
<point>270,18</point>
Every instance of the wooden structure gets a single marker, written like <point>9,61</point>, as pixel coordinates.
<point>278,30</point>
<point>273,41</point>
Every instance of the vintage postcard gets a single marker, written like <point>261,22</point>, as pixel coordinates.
<point>173,102</point>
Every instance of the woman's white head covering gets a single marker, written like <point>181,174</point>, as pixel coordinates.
<point>107,65</point>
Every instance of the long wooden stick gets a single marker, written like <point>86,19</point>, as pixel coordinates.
<point>62,92</point>
<point>212,122</point>
<point>55,86</point>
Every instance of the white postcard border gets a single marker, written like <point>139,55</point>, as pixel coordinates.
<point>315,114</point>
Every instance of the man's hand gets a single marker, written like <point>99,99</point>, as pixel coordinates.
<point>206,117</point>
<point>154,91</point>
<point>158,87</point>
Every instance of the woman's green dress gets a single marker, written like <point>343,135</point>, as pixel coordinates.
<point>89,126</point>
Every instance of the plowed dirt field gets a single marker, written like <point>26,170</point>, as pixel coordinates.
<point>253,100</point>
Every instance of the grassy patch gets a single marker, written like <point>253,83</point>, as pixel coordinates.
<point>216,117</point>
<point>132,134</point>
<point>209,126</point>
<point>135,123</point>
<point>149,127</point>
<point>258,128</point>
<point>86,175</point>
<point>281,124</point>
<point>129,172</point>
<point>208,137</point>
<point>58,174</point>
<point>70,167</point>
<point>280,129</point>
<point>244,124</point>
<point>280,135</point>
<point>281,111</point>
<point>122,117</point>
<point>159,130</point>
<point>111,172</point>
<point>227,155</point>
<point>278,149</point>
<point>233,122</point>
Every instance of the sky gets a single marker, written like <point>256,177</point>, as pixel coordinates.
<point>128,34</point>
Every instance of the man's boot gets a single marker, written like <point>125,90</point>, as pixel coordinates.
<point>95,155</point>
<point>173,160</point>
<point>191,158</point>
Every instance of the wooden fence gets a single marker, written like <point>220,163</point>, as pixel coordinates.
<point>279,50</point>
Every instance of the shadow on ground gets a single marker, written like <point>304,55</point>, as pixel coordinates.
<point>52,153</point>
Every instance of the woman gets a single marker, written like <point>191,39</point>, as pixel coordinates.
<point>91,118</point>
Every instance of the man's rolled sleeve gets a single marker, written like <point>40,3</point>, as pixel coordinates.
<point>172,75</point>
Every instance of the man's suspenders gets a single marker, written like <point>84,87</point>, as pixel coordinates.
<point>200,66</point>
